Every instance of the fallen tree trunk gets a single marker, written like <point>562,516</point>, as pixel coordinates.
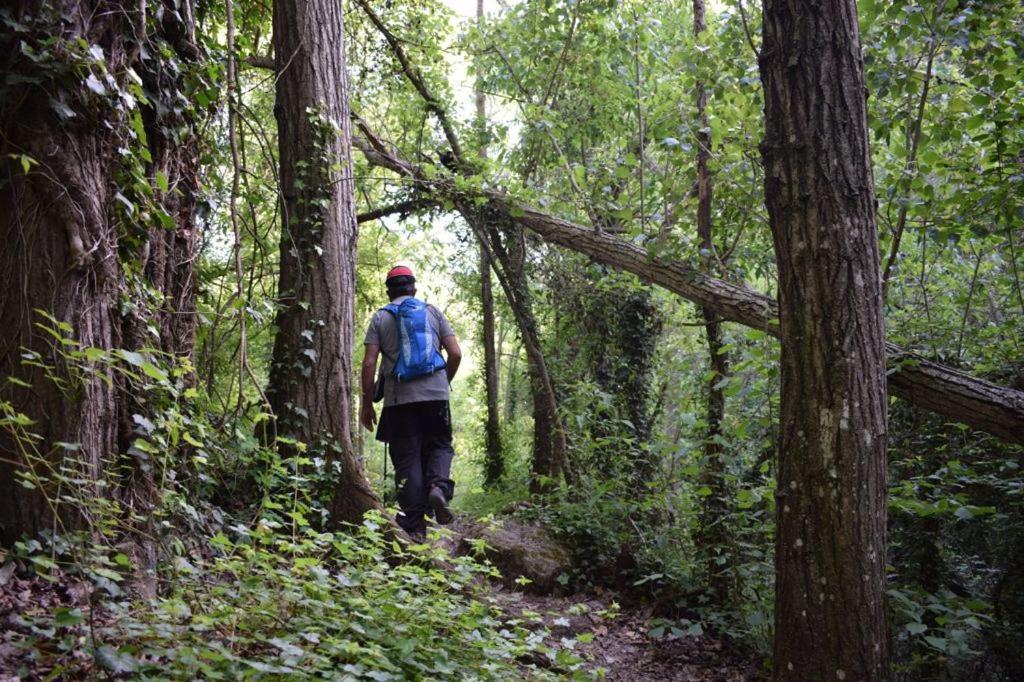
<point>961,397</point>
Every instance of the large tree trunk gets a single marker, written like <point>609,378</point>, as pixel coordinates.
<point>310,388</point>
<point>713,538</point>
<point>946,391</point>
<point>71,251</point>
<point>830,550</point>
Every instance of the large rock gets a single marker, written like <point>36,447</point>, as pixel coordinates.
<point>518,550</point>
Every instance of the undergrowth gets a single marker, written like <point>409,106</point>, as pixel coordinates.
<point>225,570</point>
<point>272,600</point>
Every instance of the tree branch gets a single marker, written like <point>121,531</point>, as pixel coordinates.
<point>416,78</point>
<point>406,207</point>
<point>978,403</point>
<point>260,62</point>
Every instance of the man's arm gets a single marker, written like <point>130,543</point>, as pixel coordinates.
<point>454,353</point>
<point>367,415</point>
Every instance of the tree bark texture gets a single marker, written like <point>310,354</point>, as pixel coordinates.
<point>310,389</point>
<point>494,466</point>
<point>72,253</point>
<point>830,549</point>
<point>713,538</point>
<point>961,397</point>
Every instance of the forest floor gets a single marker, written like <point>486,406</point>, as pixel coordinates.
<point>621,646</point>
<point>615,642</point>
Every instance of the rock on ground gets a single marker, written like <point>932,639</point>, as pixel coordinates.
<point>518,551</point>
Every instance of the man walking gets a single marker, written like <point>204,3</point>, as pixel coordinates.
<point>414,383</point>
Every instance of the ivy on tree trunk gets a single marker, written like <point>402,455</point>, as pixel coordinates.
<point>96,210</point>
<point>310,386</point>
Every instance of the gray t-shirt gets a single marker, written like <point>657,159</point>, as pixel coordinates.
<point>384,333</point>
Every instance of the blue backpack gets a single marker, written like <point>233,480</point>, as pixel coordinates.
<point>417,351</point>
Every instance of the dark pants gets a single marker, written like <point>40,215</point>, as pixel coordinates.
<point>420,440</point>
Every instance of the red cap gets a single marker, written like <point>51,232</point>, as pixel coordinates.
<point>399,271</point>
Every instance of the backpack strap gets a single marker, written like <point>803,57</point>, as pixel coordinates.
<point>393,309</point>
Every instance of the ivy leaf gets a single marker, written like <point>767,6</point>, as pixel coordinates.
<point>116,661</point>
<point>145,424</point>
<point>286,647</point>
<point>26,162</point>
<point>64,112</point>
<point>132,358</point>
<point>94,84</point>
<point>153,372</point>
<point>66,617</point>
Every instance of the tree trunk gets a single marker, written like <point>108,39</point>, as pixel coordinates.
<point>550,450</point>
<point>511,376</point>
<point>830,551</point>
<point>980,404</point>
<point>310,388</point>
<point>494,466</point>
<point>72,250</point>
<point>495,460</point>
<point>713,538</point>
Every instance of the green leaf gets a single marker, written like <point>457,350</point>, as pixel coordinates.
<point>963,513</point>
<point>64,617</point>
<point>161,181</point>
<point>975,122</point>
<point>131,357</point>
<point>64,112</point>
<point>116,661</point>
<point>916,628</point>
<point>94,84</point>
<point>154,372</point>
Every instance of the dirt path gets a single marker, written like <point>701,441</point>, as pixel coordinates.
<point>612,641</point>
<point>620,645</point>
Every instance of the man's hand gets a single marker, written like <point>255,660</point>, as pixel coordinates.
<point>454,353</point>
<point>367,416</point>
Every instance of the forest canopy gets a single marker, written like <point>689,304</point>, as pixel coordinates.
<point>738,292</point>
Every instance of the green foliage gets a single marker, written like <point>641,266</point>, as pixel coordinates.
<point>591,117</point>
<point>276,598</point>
<point>252,591</point>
